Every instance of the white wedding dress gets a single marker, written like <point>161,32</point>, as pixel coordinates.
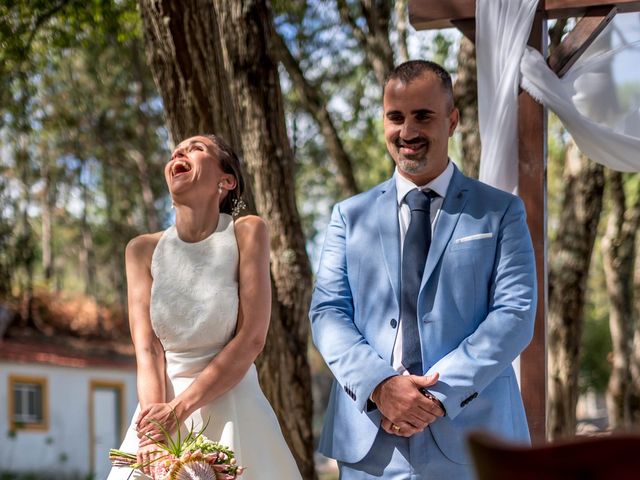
<point>194,309</point>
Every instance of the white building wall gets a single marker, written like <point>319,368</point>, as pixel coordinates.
<point>65,446</point>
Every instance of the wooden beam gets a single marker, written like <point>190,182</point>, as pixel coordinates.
<point>467,27</point>
<point>431,14</point>
<point>580,8</point>
<point>532,188</point>
<point>577,41</point>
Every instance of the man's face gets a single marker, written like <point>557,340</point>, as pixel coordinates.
<point>418,121</point>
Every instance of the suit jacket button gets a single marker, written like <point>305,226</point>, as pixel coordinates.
<point>393,323</point>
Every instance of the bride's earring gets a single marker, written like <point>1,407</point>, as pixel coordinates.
<point>173,205</point>
<point>220,188</point>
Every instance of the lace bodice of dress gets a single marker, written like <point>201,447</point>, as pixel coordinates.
<point>194,295</point>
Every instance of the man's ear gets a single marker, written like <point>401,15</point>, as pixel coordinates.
<point>454,118</point>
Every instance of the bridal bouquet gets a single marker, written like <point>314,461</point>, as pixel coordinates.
<point>193,458</point>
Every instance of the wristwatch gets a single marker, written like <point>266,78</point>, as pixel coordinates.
<point>433,398</point>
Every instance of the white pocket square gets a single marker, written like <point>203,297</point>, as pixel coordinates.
<point>470,238</point>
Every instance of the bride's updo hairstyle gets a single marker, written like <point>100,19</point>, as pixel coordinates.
<point>229,163</point>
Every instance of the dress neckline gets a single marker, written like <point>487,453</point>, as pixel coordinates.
<point>223,222</point>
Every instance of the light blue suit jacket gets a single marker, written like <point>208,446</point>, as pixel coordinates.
<point>476,308</point>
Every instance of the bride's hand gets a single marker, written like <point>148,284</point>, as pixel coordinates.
<point>151,418</point>
<point>146,455</point>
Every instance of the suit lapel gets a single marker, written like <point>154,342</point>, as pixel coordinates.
<point>389,232</point>
<point>452,206</point>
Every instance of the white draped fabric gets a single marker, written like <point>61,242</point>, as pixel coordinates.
<point>502,30</point>
<point>584,99</point>
<point>617,146</point>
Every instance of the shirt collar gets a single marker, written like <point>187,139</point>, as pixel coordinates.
<point>440,184</point>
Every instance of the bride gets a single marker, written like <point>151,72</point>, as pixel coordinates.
<point>199,306</point>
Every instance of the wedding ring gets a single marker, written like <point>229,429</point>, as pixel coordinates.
<point>395,427</point>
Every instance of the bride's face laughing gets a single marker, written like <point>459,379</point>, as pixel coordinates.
<point>194,169</point>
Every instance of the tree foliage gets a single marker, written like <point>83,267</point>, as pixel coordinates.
<point>82,143</point>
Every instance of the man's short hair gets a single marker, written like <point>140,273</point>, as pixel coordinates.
<point>409,71</point>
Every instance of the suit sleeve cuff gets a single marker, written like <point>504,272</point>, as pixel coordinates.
<point>366,404</point>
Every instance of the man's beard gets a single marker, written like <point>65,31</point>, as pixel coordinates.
<point>417,164</point>
<point>413,166</point>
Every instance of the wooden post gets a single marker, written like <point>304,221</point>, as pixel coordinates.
<point>532,152</point>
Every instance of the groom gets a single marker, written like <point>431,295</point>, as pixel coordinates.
<point>425,294</point>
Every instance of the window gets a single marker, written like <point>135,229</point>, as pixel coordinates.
<point>28,403</point>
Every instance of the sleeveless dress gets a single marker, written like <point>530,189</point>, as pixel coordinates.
<point>194,309</point>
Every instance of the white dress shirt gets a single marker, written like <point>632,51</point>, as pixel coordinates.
<point>439,185</point>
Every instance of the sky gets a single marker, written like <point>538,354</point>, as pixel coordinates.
<point>626,64</point>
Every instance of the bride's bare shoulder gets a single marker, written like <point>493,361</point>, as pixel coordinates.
<point>141,248</point>
<point>250,230</point>
<point>250,222</point>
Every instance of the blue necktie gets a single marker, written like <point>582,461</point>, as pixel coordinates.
<point>414,256</point>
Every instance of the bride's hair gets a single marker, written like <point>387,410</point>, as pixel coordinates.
<point>229,163</point>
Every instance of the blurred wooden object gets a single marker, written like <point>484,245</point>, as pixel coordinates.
<point>586,458</point>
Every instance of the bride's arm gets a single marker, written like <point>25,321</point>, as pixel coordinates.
<point>229,366</point>
<point>149,351</point>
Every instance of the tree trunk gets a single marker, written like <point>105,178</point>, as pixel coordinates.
<point>402,16</point>
<point>47,205</point>
<point>374,40</point>
<point>634,397</point>
<point>25,246</point>
<point>618,247</point>
<point>465,92</point>
<point>148,198</point>
<point>7,233</point>
<point>313,100</point>
<point>183,50</point>
<point>86,252</point>
<point>214,82</point>
<point>569,260</point>
<point>255,85</point>
<point>115,222</point>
